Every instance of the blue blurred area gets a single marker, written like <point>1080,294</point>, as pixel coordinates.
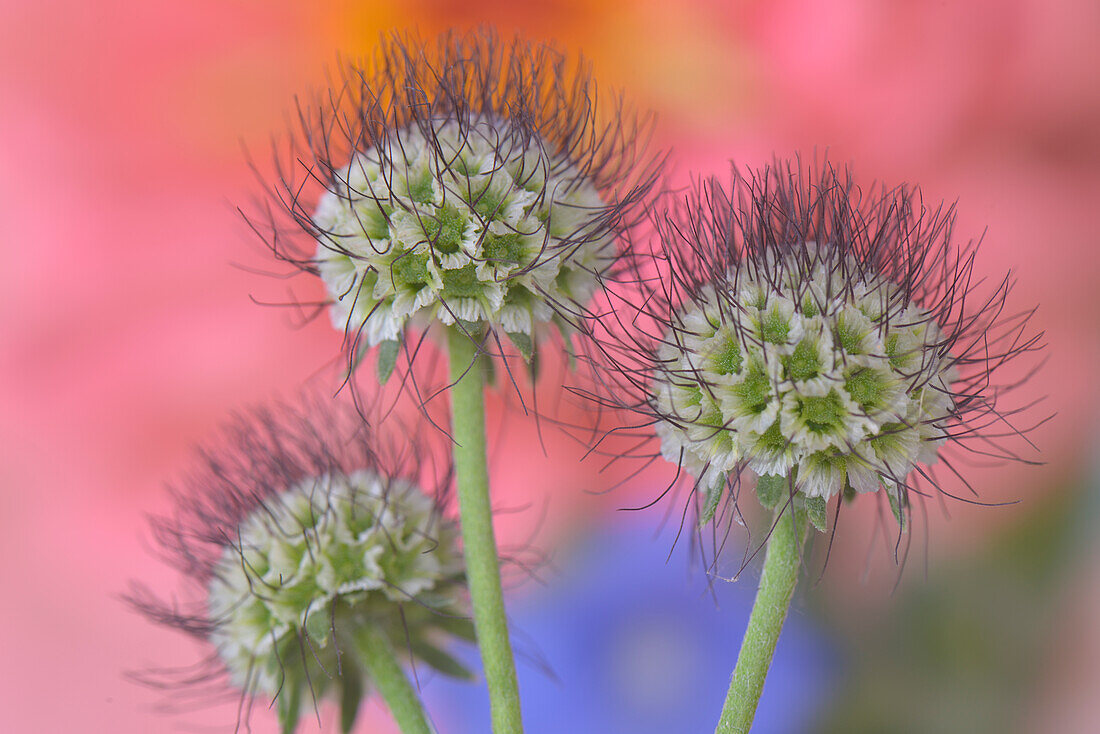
<point>638,645</point>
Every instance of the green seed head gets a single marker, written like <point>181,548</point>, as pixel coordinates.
<point>828,337</point>
<point>801,379</point>
<point>462,232</point>
<point>328,556</point>
<point>310,544</point>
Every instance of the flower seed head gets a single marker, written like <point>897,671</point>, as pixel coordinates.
<point>472,180</point>
<point>821,337</point>
<point>327,555</point>
<point>823,372</point>
<point>476,222</point>
<point>299,531</point>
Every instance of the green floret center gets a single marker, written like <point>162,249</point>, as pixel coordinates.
<point>756,391</point>
<point>462,166</point>
<point>489,203</point>
<point>359,521</point>
<point>891,343</point>
<point>898,359</point>
<point>398,566</point>
<point>823,414</point>
<point>420,187</point>
<point>445,230</point>
<point>829,459</point>
<point>256,565</point>
<point>866,386</point>
<point>773,439</point>
<point>290,558</point>
<point>410,270</point>
<point>503,248</point>
<point>373,221</point>
<point>804,363</point>
<point>774,327</point>
<point>809,308</point>
<point>888,441</point>
<point>347,566</point>
<point>727,359</point>
<point>253,613</point>
<point>712,415</point>
<point>295,598</point>
<point>462,283</point>
<point>694,396</point>
<point>849,337</point>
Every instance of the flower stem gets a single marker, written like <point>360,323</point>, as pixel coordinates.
<point>479,545</point>
<point>377,655</point>
<point>769,611</point>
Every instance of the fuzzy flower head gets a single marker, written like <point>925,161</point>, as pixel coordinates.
<point>823,339</point>
<point>811,377</point>
<point>472,181</point>
<point>329,552</point>
<point>296,554</point>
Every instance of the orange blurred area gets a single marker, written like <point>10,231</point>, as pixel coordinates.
<point>133,320</point>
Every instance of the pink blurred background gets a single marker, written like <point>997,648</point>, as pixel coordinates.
<point>127,335</point>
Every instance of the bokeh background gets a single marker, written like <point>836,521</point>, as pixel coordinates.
<point>130,326</point>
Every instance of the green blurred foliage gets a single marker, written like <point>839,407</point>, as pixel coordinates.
<point>962,650</point>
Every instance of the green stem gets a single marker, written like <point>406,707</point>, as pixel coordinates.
<point>479,545</point>
<point>377,655</point>
<point>769,611</point>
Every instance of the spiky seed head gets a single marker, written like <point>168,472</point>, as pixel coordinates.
<point>823,338</point>
<point>326,556</point>
<point>812,377</point>
<point>300,529</point>
<point>472,222</point>
<point>472,180</point>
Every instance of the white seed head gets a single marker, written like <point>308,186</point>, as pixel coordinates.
<point>803,371</point>
<point>331,552</point>
<point>443,221</point>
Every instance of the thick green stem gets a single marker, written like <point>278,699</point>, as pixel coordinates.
<point>773,599</point>
<point>377,655</point>
<point>479,545</point>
